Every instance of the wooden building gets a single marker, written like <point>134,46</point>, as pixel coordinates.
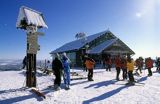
<point>96,46</point>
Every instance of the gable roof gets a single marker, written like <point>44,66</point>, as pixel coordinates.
<point>99,48</point>
<point>77,44</point>
<point>109,43</point>
<point>31,17</point>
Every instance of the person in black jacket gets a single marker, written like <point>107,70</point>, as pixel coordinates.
<point>57,68</point>
<point>24,62</point>
<point>158,64</point>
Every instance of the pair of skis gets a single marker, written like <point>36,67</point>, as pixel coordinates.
<point>136,83</point>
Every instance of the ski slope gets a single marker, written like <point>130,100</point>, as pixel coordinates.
<point>103,90</point>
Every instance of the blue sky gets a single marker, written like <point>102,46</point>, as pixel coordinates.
<point>135,22</point>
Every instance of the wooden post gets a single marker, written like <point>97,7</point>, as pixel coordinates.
<point>32,47</point>
<point>31,70</point>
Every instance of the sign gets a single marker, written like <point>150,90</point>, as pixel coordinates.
<point>32,43</point>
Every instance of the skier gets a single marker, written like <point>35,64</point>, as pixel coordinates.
<point>66,66</point>
<point>24,62</point>
<point>47,65</point>
<point>103,63</point>
<point>108,63</point>
<point>158,64</point>
<point>124,67</point>
<point>83,63</point>
<point>118,66</point>
<point>90,65</point>
<point>130,68</point>
<point>57,70</point>
<point>149,65</point>
<point>139,64</point>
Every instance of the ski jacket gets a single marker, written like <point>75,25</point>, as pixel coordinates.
<point>89,64</point>
<point>108,61</point>
<point>57,66</point>
<point>130,65</point>
<point>158,63</point>
<point>118,62</point>
<point>25,60</point>
<point>149,63</point>
<point>66,66</point>
<point>123,63</point>
<point>138,63</point>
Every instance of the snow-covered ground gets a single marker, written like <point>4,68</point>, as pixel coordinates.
<point>103,90</point>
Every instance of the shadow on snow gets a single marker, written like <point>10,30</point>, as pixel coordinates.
<point>12,90</point>
<point>110,93</point>
<point>105,95</point>
<point>86,81</point>
<point>20,98</point>
<point>103,83</point>
<point>48,90</point>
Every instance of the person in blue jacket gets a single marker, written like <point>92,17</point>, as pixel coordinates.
<point>66,66</point>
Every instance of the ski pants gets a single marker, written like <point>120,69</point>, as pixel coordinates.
<point>108,67</point>
<point>66,78</point>
<point>140,69</point>
<point>118,69</point>
<point>57,80</point>
<point>149,72</point>
<point>130,75</point>
<point>90,74</point>
<point>124,75</point>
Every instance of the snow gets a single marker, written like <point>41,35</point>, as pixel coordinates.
<point>78,43</point>
<point>3,63</point>
<point>103,90</point>
<point>32,17</point>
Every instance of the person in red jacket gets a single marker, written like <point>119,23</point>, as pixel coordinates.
<point>90,65</point>
<point>149,65</point>
<point>118,66</point>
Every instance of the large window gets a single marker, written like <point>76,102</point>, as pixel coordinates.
<point>72,56</point>
<point>101,39</point>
